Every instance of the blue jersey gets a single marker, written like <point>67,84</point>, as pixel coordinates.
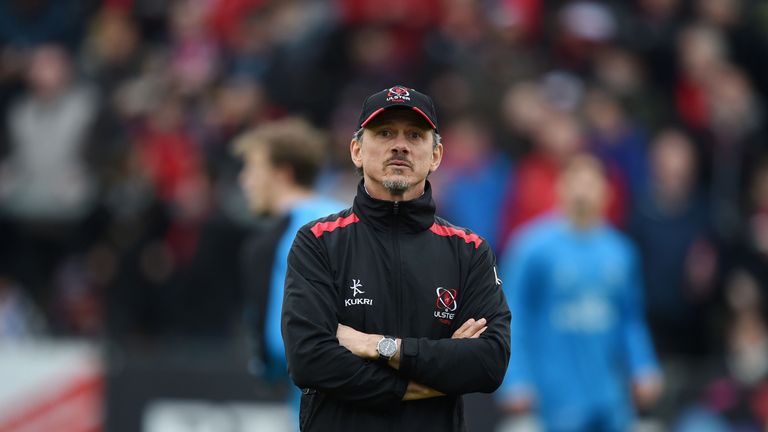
<point>578,336</point>
<point>299,215</point>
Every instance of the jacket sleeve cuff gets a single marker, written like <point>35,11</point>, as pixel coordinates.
<point>401,387</point>
<point>409,352</point>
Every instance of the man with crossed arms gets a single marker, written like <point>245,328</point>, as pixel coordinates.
<point>391,313</point>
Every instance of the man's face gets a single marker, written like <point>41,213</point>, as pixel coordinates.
<point>584,189</point>
<point>673,164</point>
<point>255,177</point>
<point>396,154</point>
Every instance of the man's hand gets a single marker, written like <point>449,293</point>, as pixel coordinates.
<point>416,391</point>
<point>364,346</point>
<point>360,344</point>
<point>471,329</point>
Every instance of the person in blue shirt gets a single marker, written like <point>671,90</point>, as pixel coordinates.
<point>281,161</point>
<point>582,356</point>
<point>468,180</point>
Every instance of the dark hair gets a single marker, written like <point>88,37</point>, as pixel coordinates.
<point>290,142</point>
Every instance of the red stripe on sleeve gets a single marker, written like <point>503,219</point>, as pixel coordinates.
<point>323,227</point>
<point>447,231</point>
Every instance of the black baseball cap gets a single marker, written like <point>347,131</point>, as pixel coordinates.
<point>398,96</point>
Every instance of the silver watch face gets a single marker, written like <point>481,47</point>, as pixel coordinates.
<point>387,347</point>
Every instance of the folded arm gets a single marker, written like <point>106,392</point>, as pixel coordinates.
<point>364,346</point>
<point>482,360</point>
<point>309,325</point>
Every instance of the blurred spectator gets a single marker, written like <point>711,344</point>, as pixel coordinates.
<point>747,47</point>
<point>300,32</point>
<point>736,398</point>
<point>736,137</point>
<point>139,304</point>
<point>213,267</point>
<point>670,225</point>
<point>281,162</point>
<point>510,54</point>
<point>167,151</point>
<point>243,30</point>
<point>232,106</point>
<point>520,20</point>
<point>194,55</point>
<point>161,225</point>
<point>651,30</point>
<point>700,50</point>
<point>45,176</point>
<point>531,192</point>
<point>624,74</point>
<point>617,141</point>
<point>113,49</point>
<point>563,90</point>
<point>47,188</point>
<point>177,270</point>
<point>469,179</point>
<point>753,251</point>
<point>584,355</point>
<point>454,95</point>
<point>523,111</point>
<point>194,251</point>
<point>584,28</point>
<point>460,46</point>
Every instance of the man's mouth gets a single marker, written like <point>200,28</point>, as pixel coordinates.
<point>399,163</point>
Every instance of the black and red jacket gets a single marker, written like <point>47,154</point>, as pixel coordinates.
<point>391,268</point>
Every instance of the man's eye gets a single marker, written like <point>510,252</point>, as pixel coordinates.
<point>385,133</point>
<point>416,135</point>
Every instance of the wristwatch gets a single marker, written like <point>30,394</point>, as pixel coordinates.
<point>387,347</point>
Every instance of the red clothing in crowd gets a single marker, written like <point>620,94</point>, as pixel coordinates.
<point>533,192</point>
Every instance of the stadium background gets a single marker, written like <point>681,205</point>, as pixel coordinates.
<point>122,226</point>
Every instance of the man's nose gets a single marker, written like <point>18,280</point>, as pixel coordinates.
<point>400,144</point>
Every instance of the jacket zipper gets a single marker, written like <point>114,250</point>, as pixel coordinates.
<point>396,426</point>
<point>396,267</point>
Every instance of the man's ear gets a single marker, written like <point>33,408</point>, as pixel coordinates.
<point>437,157</point>
<point>355,152</point>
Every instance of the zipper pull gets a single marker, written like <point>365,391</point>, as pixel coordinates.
<point>396,207</point>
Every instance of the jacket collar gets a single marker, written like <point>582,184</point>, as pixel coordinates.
<point>408,216</point>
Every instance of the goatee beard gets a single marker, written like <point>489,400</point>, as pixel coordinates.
<point>396,187</point>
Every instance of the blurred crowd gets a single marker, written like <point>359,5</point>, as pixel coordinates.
<point>121,216</point>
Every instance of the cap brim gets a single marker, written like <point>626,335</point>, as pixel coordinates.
<point>380,110</point>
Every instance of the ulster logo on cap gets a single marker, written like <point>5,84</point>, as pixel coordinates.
<point>395,97</point>
<point>398,94</point>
